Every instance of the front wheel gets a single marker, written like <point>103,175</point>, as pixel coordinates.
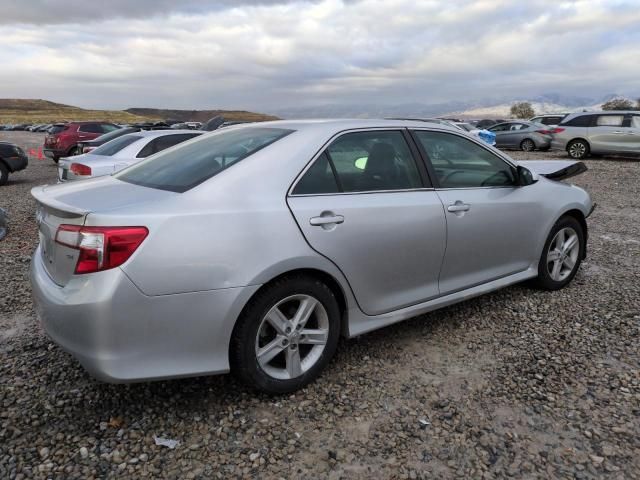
<point>578,149</point>
<point>527,145</point>
<point>562,254</point>
<point>4,174</point>
<point>286,335</point>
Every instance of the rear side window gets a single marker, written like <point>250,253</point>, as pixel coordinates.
<point>579,121</point>
<point>162,143</point>
<point>610,120</point>
<point>90,128</point>
<point>370,161</point>
<point>114,146</point>
<point>57,129</point>
<point>182,169</point>
<point>318,179</point>
<point>635,121</point>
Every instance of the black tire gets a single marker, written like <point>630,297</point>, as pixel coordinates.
<point>4,174</point>
<point>55,159</point>
<point>578,149</point>
<point>242,352</point>
<point>75,151</point>
<point>544,279</point>
<point>527,145</point>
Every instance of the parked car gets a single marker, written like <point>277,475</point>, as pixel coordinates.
<point>610,132</point>
<point>253,248</point>
<point>12,159</point>
<point>120,153</point>
<point>549,119</point>
<point>485,123</point>
<point>526,136</point>
<point>484,135</point>
<point>89,145</point>
<point>62,138</point>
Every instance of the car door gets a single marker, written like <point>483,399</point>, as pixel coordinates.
<point>493,226</point>
<point>634,132</point>
<point>608,134</point>
<point>366,204</point>
<point>503,135</point>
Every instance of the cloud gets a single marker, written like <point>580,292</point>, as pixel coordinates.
<point>272,54</point>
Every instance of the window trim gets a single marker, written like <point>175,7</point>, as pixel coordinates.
<point>431,168</point>
<point>425,177</point>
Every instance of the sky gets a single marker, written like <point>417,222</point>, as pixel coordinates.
<point>266,55</point>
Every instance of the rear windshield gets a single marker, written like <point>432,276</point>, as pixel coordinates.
<point>57,129</point>
<point>115,145</point>
<point>115,134</point>
<point>182,168</point>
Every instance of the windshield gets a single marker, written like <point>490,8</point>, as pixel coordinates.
<point>115,145</point>
<point>182,168</point>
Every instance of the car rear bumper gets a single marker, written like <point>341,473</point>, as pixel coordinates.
<point>53,152</point>
<point>17,163</point>
<point>119,334</point>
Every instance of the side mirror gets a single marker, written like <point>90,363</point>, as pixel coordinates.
<point>526,176</point>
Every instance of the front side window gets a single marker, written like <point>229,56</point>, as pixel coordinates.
<point>500,127</point>
<point>178,170</point>
<point>610,120</point>
<point>108,127</point>
<point>114,146</point>
<point>579,121</point>
<point>461,163</point>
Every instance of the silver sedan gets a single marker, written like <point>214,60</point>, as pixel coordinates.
<point>253,248</point>
<point>523,135</point>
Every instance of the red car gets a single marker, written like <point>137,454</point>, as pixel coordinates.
<point>62,139</point>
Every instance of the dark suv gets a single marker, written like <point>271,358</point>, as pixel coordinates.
<point>62,138</point>
<point>12,159</point>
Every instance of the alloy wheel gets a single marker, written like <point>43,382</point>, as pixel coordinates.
<point>292,336</point>
<point>563,253</point>
<point>527,145</point>
<point>577,150</point>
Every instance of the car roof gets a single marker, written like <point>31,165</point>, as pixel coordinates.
<point>601,112</point>
<point>337,125</point>
<point>160,133</point>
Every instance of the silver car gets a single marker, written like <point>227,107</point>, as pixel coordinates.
<point>600,133</point>
<point>253,248</point>
<point>523,135</point>
<point>120,153</point>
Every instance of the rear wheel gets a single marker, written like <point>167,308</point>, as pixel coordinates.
<point>527,145</point>
<point>578,149</point>
<point>286,335</point>
<point>55,159</point>
<point>562,254</point>
<point>4,173</point>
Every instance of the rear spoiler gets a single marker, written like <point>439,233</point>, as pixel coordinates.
<point>61,209</point>
<point>555,169</point>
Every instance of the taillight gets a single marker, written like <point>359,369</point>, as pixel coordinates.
<point>550,132</point>
<point>80,169</point>
<point>101,248</point>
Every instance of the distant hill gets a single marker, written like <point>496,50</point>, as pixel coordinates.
<point>200,115</point>
<point>20,110</point>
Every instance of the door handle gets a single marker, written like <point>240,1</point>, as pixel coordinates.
<point>326,220</point>
<point>458,207</point>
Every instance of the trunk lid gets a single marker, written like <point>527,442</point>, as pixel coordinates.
<point>70,204</point>
<point>555,169</point>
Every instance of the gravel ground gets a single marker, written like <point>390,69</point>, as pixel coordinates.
<point>518,383</point>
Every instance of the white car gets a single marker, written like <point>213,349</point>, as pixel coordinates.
<point>120,153</point>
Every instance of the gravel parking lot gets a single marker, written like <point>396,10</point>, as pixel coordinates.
<point>518,383</point>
